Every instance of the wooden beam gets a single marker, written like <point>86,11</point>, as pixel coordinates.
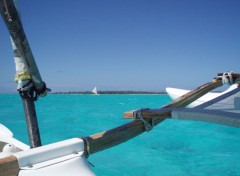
<point>190,97</point>
<point>110,138</point>
<point>125,132</point>
<point>9,166</point>
<point>115,136</point>
<point>150,113</point>
<point>185,99</point>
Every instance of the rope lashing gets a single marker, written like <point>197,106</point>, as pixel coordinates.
<point>226,78</point>
<point>25,85</point>
<point>86,146</point>
<point>138,115</point>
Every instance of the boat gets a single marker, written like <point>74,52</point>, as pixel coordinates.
<point>94,91</point>
<point>70,157</point>
<point>175,93</point>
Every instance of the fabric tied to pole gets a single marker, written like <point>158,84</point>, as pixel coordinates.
<point>23,56</point>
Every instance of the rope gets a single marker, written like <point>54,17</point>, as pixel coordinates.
<point>138,115</point>
<point>227,78</point>
<point>86,142</point>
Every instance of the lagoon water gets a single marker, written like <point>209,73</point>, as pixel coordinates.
<point>173,148</point>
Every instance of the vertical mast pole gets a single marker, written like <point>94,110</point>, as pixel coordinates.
<point>31,118</point>
<point>30,84</point>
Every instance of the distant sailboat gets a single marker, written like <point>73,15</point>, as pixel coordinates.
<point>94,91</point>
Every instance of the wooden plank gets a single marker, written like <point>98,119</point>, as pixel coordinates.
<point>125,132</point>
<point>151,113</point>
<point>190,97</point>
<point>9,166</point>
<point>115,136</point>
<point>185,99</point>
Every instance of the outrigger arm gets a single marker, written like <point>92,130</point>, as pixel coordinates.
<point>145,119</point>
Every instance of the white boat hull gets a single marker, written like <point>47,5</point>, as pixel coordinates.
<point>61,159</point>
<point>175,93</point>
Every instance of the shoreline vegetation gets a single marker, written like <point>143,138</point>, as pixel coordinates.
<point>110,92</point>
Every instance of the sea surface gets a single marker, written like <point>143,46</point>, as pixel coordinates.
<point>173,148</point>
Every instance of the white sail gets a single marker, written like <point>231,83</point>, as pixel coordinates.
<point>94,91</point>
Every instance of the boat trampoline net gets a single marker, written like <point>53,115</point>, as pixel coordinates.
<point>229,102</point>
<point>224,110</point>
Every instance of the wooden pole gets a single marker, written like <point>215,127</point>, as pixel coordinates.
<point>125,132</point>
<point>9,166</point>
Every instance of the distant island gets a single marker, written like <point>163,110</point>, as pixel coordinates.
<point>110,92</point>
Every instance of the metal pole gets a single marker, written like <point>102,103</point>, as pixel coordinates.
<point>30,84</point>
<point>31,118</point>
<point>14,24</point>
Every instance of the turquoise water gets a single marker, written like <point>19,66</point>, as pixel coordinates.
<point>173,148</point>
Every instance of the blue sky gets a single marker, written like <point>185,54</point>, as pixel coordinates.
<point>142,45</point>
